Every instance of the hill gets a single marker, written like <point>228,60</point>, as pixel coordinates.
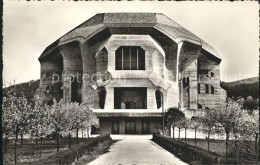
<point>242,88</point>
<point>27,89</point>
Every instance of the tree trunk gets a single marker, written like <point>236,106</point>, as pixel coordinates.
<point>208,138</point>
<point>88,133</point>
<point>21,135</point>
<point>6,142</point>
<point>41,146</point>
<point>185,134</point>
<point>58,142</point>
<point>15,144</point>
<point>36,140</point>
<point>195,136</point>
<point>69,140</point>
<point>179,133</point>
<point>173,132</point>
<point>77,137</point>
<point>227,140</point>
<point>256,150</point>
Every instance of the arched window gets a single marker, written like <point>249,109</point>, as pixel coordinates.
<point>159,98</point>
<point>199,106</point>
<point>102,97</point>
<point>130,58</point>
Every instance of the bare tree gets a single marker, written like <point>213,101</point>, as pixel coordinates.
<point>172,116</point>
<point>228,117</point>
<point>195,123</point>
<point>208,121</point>
<point>57,119</point>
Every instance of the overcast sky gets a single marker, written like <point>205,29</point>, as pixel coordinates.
<point>29,27</point>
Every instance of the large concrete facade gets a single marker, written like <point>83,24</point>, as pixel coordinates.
<point>129,67</point>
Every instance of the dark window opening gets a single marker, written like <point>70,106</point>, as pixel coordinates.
<point>199,106</point>
<point>49,89</point>
<point>159,98</point>
<point>75,90</point>
<point>211,74</point>
<point>102,97</point>
<point>207,88</point>
<point>130,98</point>
<point>130,58</point>
<point>204,72</point>
<point>198,88</point>
<point>212,90</point>
<point>207,108</point>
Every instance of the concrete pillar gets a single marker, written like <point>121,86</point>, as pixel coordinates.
<point>109,102</point>
<point>193,85</point>
<point>66,88</point>
<point>151,100</point>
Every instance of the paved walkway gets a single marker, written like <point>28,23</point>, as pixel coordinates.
<point>136,149</point>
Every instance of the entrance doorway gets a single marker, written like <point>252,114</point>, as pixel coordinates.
<point>130,127</point>
<point>115,128</point>
<point>145,127</point>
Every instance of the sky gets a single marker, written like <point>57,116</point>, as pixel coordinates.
<point>232,28</point>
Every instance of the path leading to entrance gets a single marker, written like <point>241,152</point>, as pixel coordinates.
<point>136,149</point>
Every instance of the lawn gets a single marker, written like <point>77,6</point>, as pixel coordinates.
<point>31,152</point>
<point>245,149</point>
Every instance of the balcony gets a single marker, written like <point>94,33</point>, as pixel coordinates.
<point>128,112</point>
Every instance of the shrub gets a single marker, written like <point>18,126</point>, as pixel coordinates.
<point>70,155</point>
<point>190,154</point>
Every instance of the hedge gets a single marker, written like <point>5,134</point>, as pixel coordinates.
<point>191,154</point>
<point>70,155</point>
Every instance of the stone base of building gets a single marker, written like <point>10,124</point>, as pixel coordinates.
<point>129,125</point>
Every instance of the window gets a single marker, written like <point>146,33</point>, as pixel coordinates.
<point>207,88</point>
<point>49,89</point>
<point>212,90</point>
<point>130,98</point>
<point>207,108</point>
<point>211,74</point>
<point>102,97</point>
<point>75,90</point>
<point>198,88</point>
<point>199,106</point>
<point>159,99</point>
<point>130,58</point>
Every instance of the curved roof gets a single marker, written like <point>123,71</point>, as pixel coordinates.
<point>102,21</point>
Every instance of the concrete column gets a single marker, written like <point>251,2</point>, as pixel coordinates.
<point>193,85</point>
<point>109,102</point>
<point>66,89</point>
<point>151,100</point>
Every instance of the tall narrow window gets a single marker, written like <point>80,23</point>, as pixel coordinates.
<point>198,88</point>
<point>199,106</point>
<point>207,88</point>
<point>130,58</point>
<point>159,99</point>
<point>212,90</point>
<point>75,90</point>
<point>102,97</point>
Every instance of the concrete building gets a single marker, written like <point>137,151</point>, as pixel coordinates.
<point>128,67</point>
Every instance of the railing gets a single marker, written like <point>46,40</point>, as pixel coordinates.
<point>128,112</point>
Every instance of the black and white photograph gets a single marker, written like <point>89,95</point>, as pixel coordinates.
<point>130,83</point>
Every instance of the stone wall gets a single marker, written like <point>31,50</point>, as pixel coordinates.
<point>208,74</point>
<point>51,78</point>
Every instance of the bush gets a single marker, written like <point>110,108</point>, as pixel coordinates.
<point>190,154</point>
<point>70,155</point>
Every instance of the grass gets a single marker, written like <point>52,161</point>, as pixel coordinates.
<point>31,152</point>
<point>95,153</point>
<point>245,149</point>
